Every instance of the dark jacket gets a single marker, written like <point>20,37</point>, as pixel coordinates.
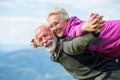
<point>81,63</point>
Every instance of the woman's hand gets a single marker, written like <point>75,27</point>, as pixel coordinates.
<point>94,23</point>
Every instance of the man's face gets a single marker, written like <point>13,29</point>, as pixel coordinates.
<point>56,24</point>
<point>46,38</point>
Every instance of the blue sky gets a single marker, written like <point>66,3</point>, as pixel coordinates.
<point>19,18</point>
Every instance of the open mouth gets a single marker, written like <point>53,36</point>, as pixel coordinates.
<point>48,44</point>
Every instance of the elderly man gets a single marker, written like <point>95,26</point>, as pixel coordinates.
<point>72,54</point>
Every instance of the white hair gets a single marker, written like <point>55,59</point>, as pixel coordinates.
<point>58,10</point>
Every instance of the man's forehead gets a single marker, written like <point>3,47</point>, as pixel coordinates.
<point>42,31</point>
<point>41,34</point>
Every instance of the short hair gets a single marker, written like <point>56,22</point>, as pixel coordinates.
<point>39,27</point>
<point>58,10</point>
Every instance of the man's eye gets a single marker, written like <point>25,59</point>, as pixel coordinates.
<point>40,39</point>
<point>45,35</point>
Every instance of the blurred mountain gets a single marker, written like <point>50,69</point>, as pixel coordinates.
<point>30,64</point>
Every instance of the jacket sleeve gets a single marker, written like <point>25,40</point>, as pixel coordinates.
<point>78,44</point>
<point>75,30</point>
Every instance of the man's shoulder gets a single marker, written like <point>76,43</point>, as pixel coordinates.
<point>65,39</point>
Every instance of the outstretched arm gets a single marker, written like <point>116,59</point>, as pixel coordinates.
<point>78,27</point>
<point>78,44</point>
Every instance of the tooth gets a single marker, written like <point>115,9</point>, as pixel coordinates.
<point>45,44</point>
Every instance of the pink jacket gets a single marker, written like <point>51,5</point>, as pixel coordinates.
<point>108,42</point>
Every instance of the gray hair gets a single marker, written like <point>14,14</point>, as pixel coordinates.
<point>58,10</point>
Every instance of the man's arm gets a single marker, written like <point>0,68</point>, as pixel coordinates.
<point>78,44</point>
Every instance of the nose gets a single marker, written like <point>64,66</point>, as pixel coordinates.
<point>54,29</point>
<point>44,40</point>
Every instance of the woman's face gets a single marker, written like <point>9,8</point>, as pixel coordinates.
<point>57,24</point>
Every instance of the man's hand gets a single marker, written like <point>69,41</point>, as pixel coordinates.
<point>34,43</point>
<point>94,24</point>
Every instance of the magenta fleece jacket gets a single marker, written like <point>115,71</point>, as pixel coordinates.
<point>108,42</point>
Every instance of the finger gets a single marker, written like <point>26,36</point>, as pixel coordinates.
<point>92,30</point>
<point>101,22</point>
<point>92,17</point>
<point>100,17</point>
<point>94,26</point>
<point>91,14</point>
<point>97,20</point>
<point>32,40</point>
<point>95,16</point>
<point>99,27</point>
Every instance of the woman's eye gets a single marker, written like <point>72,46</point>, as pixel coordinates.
<point>56,23</point>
